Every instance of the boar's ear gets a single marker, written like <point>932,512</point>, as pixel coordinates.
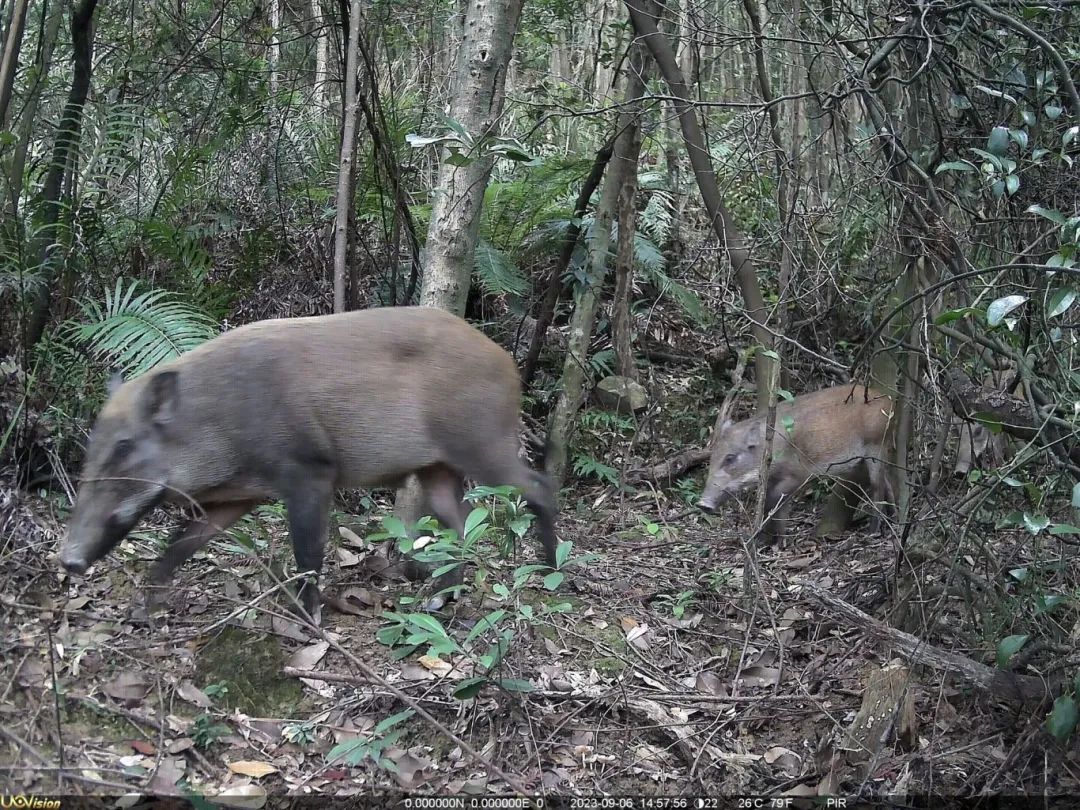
<point>116,379</point>
<point>724,428</point>
<point>161,397</point>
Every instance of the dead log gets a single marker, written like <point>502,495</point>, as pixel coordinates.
<point>1020,691</point>
<point>666,472</point>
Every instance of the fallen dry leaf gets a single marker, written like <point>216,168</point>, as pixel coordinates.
<point>252,768</point>
<point>413,672</point>
<point>785,759</point>
<point>144,747</point>
<point>242,797</point>
<point>361,596</point>
<point>346,558</point>
<point>435,665</point>
<point>193,694</point>
<point>710,682</point>
<point>759,676</point>
<point>127,687</point>
<point>78,603</point>
<point>179,745</point>
<point>351,537</point>
<point>307,657</point>
<point>167,775</point>
<point>288,628</point>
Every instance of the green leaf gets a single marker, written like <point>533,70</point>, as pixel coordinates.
<point>955,166</point>
<point>1020,574</point>
<point>1054,216</point>
<point>988,420</point>
<point>1053,111</point>
<point>1035,523</point>
<point>469,688</point>
<point>1061,722</point>
<point>476,517</point>
<point>996,312</point>
<point>1009,646</point>
<point>1059,529</point>
<point>1070,135</point>
<point>423,621</point>
<point>394,526</point>
<point>385,725</point>
<point>515,685</point>
<point>553,580</point>
<point>1012,184</point>
<point>562,551</point>
<point>1047,602</point>
<point>1060,300</point>
<point>995,93</point>
<point>486,623</point>
<point>1076,495</point>
<point>956,314</point>
<point>420,141</point>
<point>998,141</point>
<point>458,159</point>
<point>352,752</point>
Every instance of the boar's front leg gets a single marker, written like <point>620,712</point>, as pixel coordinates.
<point>308,506</point>
<point>192,536</point>
<point>779,499</point>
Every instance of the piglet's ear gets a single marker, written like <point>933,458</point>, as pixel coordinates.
<point>116,379</point>
<point>162,397</point>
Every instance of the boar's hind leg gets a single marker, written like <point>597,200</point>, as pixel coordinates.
<point>308,505</point>
<point>540,496</point>
<point>507,469</point>
<point>195,534</point>
<point>444,491</point>
<point>882,493</point>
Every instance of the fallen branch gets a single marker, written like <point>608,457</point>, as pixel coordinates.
<point>666,472</point>
<point>1007,687</point>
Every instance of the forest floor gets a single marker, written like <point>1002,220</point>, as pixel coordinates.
<point>652,678</point>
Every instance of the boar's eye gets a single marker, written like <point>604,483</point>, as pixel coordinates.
<point>122,449</point>
<point>729,459</point>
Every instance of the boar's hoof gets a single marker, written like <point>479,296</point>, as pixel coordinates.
<point>435,603</point>
<point>708,508</point>
<point>310,602</point>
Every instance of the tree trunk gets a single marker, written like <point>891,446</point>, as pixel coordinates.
<point>39,72</point>
<point>553,281</point>
<point>322,54</point>
<point>273,56</point>
<point>68,132</point>
<point>644,18</point>
<point>10,62</point>
<point>476,104</point>
<point>587,295</point>
<point>487,39</point>
<point>345,163</point>
<point>627,214</point>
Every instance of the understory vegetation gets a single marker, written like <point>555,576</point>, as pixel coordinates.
<point>664,213</point>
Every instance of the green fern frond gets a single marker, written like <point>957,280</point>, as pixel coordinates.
<point>496,272</point>
<point>687,300</point>
<point>136,330</point>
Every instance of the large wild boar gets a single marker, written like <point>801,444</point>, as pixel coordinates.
<point>835,432</point>
<point>293,409</point>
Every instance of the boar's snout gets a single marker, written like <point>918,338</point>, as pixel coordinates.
<point>710,501</point>
<point>74,562</point>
